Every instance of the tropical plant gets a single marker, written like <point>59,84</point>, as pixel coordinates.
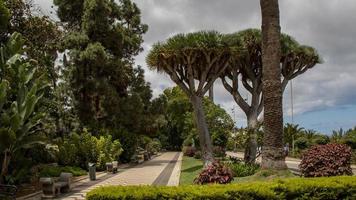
<point>273,156</point>
<point>193,61</point>
<point>215,172</point>
<point>326,160</point>
<point>20,94</point>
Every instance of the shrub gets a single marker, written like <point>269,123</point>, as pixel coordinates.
<point>242,169</point>
<point>55,171</point>
<point>215,173</point>
<point>291,188</point>
<point>326,160</point>
<point>219,152</point>
<point>197,155</point>
<point>189,151</point>
<point>109,151</point>
<point>301,143</point>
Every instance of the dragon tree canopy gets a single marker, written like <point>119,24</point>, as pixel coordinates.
<point>199,56</point>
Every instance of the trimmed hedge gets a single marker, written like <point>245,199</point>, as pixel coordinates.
<point>343,187</point>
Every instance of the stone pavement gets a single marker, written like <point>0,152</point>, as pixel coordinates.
<point>162,170</point>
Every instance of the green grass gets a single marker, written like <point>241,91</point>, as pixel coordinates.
<point>191,167</point>
<point>50,171</point>
<point>265,175</point>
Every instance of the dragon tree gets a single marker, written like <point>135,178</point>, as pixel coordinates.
<point>193,61</point>
<point>244,73</point>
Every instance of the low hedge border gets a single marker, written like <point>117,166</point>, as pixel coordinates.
<point>342,187</point>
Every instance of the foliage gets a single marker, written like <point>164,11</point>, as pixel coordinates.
<point>292,188</point>
<point>301,143</point>
<point>129,143</point>
<point>104,37</point>
<point>4,16</point>
<point>219,152</point>
<point>20,93</point>
<point>197,155</point>
<point>109,150</point>
<point>55,171</point>
<point>215,173</point>
<point>189,151</point>
<point>80,149</point>
<point>241,169</point>
<point>326,160</point>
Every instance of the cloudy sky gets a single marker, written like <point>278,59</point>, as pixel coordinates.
<point>324,97</point>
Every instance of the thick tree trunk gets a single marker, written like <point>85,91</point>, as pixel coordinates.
<point>5,166</point>
<point>251,143</point>
<point>204,136</point>
<point>272,153</point>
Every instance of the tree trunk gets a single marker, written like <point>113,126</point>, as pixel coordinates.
<point>211,93</point>
<point>251,143</point>
<point>272,153</point>
<point>5,166</point>
<point>204,136</point>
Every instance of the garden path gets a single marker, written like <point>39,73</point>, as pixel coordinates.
<point>161,170</point>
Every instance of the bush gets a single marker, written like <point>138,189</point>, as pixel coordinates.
<point>55,171</point>
<point>79,150</point>
<point>197,155</point>
<point>219,152</point>
<point>292,188</point>
<point>189,151</point>
<point>109,151</point>
<point>301,143</point>
<point>215,173</point>
<point>242,169</point>
<point>326,160</point>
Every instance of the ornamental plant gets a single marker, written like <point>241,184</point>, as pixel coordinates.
<point>326,160</point>
<point>215,173</point>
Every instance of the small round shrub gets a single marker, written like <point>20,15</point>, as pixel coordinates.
<point>189,151</point>
<point>326,160</point>
<point>215,173</point>
<point>197,155</point>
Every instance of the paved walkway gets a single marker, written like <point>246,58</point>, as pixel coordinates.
<point>162,170</point>
<point>292,163</point>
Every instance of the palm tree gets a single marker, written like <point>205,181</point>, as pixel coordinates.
<point>273,156</point>
<point>291,132</point>
<point>193,61</point>
<point>337,135</point>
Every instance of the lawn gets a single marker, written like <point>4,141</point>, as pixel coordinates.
<point>190,169</point>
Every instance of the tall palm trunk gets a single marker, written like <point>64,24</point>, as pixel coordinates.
<point>204,136</point>
<point>5,165</point>
<point>273,156</point>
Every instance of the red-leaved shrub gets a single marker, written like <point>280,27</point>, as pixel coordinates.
<point>189,151</point>
<point>215,173</point>
<point>326,160</point>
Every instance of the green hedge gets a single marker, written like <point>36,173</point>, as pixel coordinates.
<point>294,188</point>
<point>50,171</point>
